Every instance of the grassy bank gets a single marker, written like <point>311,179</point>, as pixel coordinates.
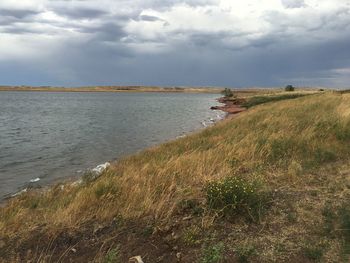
<point>271,185</point>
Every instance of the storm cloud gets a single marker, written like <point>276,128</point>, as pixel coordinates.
<point>153,42</point>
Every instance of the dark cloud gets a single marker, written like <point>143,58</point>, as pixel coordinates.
<point>17,13</point>
<point>79,12</point>
<point>105,32</point>
<point>149,18</point>
<point>125,44</point>
<point>16,30</point>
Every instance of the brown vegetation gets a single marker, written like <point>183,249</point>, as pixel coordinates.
<point>293,153</point>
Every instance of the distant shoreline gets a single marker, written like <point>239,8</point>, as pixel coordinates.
<point>213,90</point>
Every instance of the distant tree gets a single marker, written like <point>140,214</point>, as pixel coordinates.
<point>289,88</point>
<point>227,92</point>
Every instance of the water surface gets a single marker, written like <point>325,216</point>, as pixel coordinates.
<point>55,135</point>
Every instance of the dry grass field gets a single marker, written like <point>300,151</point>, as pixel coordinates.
<point>270,185</point>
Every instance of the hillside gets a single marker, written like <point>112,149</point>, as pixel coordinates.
<point>270,185</point>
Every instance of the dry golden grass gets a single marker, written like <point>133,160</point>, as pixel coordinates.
<point>299,148</point>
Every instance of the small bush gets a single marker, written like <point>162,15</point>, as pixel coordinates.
<point>244,253</point>
<point>314,252</point>
<point>213,254</point>
<point>337,223</point>
<point>191,236</point>
<point>344,213</point>
<point>112,256</point>
<point>147,231</point>
<point>227,92</point>
<point>289,88</point>
<point>234,195</point>
<point>191,206</point>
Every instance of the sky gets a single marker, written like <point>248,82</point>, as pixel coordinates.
<point>231,43</point>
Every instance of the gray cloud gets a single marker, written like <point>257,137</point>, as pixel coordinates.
<point>79,12</point>
<point>123,43</point>
<point>293,3</point>
<point>149,18</point>
<point>17,13</point>
<point>105,32</point>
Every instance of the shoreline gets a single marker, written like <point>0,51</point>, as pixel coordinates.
<point>129,89</point>
<point>231,107</point>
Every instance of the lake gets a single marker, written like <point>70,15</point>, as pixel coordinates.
<point>49,136</point>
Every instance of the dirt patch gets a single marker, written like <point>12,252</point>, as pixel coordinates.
<point>231,106</point>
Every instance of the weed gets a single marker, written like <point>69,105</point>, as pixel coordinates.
<point>112,256</point>
<point>147,231</point>
<point>234,195</point>
<point>328,217</point>
<point>244,253</point>
<point>292,217</point>
<point>192,206</point>
<point>213,254</point>
<point>324,156</point>
<point>344,213</point>
<point>191,236</point>
<point>314,252</point>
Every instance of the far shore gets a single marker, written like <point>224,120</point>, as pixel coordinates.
<point>175,89</point>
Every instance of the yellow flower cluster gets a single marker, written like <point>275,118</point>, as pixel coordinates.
<point>230,193</point>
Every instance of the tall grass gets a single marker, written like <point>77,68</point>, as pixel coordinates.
<point>268,142</point>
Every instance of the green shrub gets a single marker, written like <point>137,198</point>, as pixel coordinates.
<point>191,236</point>
<point>337,223</point>
<point>232,196</point>
<point>213,254</point>
<point>289,88</point>
<point>191,206</point>
<point>313,253</point>
<point>244,253</point>
<point>112,256</point>
<point>227,92</point>
<point>344,213</point>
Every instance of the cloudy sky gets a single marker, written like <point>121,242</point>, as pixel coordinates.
<point>234,43</point>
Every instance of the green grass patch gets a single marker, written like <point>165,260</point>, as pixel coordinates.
<point>336,220</point>
<point>191,236</point>
<point>112,256</point>
<point>213,254</point>
<point>244,253</point>
<point>254,101</point>
<point>314,252</point>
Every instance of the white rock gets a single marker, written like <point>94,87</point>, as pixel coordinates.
<point>100,168</point>
<point>136,259</point>
<point>35,180</point>
<point>20,192</point>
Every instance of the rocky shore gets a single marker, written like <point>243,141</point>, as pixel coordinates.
<point>231,106</point>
